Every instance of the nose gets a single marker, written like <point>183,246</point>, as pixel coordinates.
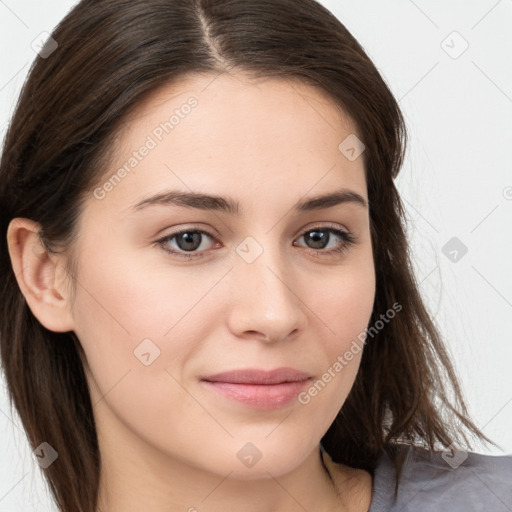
<point>266,301</point>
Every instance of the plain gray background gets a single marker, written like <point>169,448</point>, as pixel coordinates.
<point>448,63</point>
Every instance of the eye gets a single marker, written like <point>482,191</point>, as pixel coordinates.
<point>320,237</point>
<point>188,241</point>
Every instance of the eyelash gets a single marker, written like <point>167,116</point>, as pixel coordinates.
<point>348,240</point>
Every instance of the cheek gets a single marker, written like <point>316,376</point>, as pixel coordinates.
<point>127,316</point>
<point>344,307</point>
<point>122,299</point>
<point>138,333</point>
<point>344,304</point>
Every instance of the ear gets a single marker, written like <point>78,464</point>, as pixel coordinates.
<point>40,275</point>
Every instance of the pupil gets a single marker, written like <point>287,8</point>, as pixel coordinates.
<point>192,241</point>
<point>318,238</point>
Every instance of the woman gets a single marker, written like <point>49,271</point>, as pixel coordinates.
<point>208,302</point>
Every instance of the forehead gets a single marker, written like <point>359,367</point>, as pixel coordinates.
<point>219,132</point>
<point>242,92</point>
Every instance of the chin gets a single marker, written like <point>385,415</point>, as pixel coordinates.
<point>252,463</point>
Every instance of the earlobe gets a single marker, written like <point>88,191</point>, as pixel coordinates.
<point>36,270</point>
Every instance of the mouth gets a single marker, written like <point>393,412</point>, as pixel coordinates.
<point>258,376</point>
<point>260,389</point>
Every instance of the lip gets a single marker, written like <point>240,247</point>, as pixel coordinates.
<point>260,389</point>
<point>259,376</point>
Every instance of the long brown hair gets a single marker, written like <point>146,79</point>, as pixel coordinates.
<point>111,55</point>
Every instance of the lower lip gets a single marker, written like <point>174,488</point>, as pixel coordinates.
<point>259,396</point>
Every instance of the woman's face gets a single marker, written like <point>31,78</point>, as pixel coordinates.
<point>257,281</point>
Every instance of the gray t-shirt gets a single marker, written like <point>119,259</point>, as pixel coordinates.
<point>436,482</point>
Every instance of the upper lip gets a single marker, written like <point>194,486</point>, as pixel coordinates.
<point>258,376</point>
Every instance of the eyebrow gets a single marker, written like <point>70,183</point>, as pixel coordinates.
<point>229,205</point>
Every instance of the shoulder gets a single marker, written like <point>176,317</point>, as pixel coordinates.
<point>432,481</point>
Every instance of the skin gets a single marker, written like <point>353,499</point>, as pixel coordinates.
<point>167,442</point>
